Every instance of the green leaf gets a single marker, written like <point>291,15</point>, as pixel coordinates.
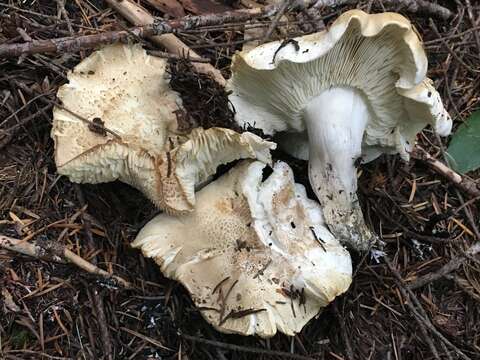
<point>19,338</point>
<point>464,149</point>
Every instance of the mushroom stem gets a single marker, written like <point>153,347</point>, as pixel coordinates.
<point>336,121</point>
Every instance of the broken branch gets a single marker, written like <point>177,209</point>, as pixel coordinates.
<point>463,182</point>
<point>407,5</point>
<point>77,43</point>
<point>139,16</point>
<point>57,253</point>
<point>452,265</point>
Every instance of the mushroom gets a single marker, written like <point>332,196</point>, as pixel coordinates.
<point>341,97</point>
<point>117,120</point>
<point>254,254</point>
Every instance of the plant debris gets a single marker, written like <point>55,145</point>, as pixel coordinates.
<point>64,314</point>
<point>205,101</point>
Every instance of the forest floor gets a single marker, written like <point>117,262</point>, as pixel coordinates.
<point>50,310</point>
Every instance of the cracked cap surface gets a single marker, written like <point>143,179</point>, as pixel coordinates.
<point>255,256</point>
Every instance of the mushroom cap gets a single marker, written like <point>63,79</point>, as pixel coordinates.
<point>254,255</point>
<point>125,88</point>
<point>194,161</point>
<point>128,90</point>
<point>379,55</point>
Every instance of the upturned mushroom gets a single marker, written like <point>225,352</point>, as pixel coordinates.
<point>117,120</point>
<point>341,97</point>
<point>254,254</point>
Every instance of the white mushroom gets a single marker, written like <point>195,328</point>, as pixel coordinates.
<point>340,96</point>
<point>254,255</point>
<point>127,91</point>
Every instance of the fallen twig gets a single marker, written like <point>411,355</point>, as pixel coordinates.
<point>463,182</point>
<point>343,331</point>
<point>450,50</point>
<point>10,133</point>
<point>69,44</point>
<point>57,253</point>
<point>145,338</point>
<point>283,8</point>
<point>77,43</point>
<point>139,16</point>
<point>248,349</point>
<point>63,13</point>
<point>96,297</point>
<point>452,265</point>
<point>407,5</point>
<point>166,55</point>
<point>418,312</point>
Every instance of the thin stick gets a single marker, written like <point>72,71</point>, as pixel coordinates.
<point>473,23</point>
<point>68,44</point>
<point>63,13</point>
<point>343,331</point>
<point>463,182</point>
<point>10,132</point>
<point>450,50</point>
<point>408,5</point>
<point>452,265</point>
<point>418,311</point>
<point>96,297</point>
<point>247,349</point>
<point>77,43</point>
<point>57,253</point>
<point>146,338</point>
<point>283,7</point>
<point>85,120</point>
<point>139,16</point>
<point>166,55</point>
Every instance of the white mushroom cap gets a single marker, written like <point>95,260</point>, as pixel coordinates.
<point>128,90</point>
<point>125,88</point>
<point>255,256</point>
<point>353,91</point>
<point>381,55</point>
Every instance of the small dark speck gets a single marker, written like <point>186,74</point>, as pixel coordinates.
<point>124,73</point>
<point>292,224</point>
<point>408,142</point>
<point>91,72</point>
<point>429,94</point>
<point>270,233</point>
<point>270,244</point>
<point>305,51</point>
